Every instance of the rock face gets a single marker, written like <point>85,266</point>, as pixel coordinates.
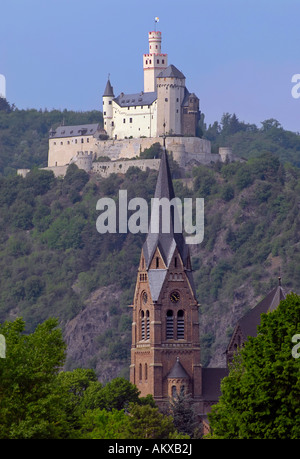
<point>81,333</point>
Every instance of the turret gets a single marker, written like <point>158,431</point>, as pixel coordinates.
<point>154,62</point>
<point>108,97</point>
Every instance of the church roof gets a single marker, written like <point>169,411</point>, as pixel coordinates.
<point>171,72</point>
<point>211,382</point>
<point>178,371</point>
<point>108,91</point>
<point>249,322</point>
<point>132,100</point>
<point>166,242</point>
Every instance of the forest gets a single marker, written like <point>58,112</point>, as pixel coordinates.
<point>52,259</point>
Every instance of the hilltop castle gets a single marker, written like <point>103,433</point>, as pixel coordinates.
<point>165,111</point>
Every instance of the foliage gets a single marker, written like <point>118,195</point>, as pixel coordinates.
<point>260,397</point>
<point>31,402</point>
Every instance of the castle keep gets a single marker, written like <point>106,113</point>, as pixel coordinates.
<point>133,122</point>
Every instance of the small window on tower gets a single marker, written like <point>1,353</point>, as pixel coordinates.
<point>157,61</point>
<point>109,102</point>
<point>163,61</point>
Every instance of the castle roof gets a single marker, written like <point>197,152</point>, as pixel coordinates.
<point>74,131</point>
<point>108,91</point>
<point>131,100</point>
<point>171,72</point>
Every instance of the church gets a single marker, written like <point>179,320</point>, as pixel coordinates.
<point>165,352</point>
<point>164,107</point>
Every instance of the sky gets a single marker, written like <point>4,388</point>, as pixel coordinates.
<point>238,56</point>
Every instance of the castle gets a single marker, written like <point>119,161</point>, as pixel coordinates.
<point>164,112</point>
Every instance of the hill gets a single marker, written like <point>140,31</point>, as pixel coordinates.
<point>54,263</point>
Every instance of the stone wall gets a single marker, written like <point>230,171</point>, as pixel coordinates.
<point>121,167</point>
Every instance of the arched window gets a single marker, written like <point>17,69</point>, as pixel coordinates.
<point>146,372</point>
<point>180,324</point>
<point>169,325</point>
<point>148,325</point>
<point>143,325</point>
<point>173,391</point>
<point>140,372</point>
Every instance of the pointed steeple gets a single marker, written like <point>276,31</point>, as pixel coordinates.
<point>108,91</point>
<point>168,241</point>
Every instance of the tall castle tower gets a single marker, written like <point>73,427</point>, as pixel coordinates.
<point>165,353</point>
<point>154,62</point>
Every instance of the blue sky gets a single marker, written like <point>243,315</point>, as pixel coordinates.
<point>238,56</point>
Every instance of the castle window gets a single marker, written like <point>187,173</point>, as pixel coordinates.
<point>148,325</point>
<point>130,120</point>
<point>169,325</point>
<point>157,262</point>
<point>82,140</point>
<point>109,102</point>
<point>146,61</point>
<point>180,324</point>
<point>157,61</point>
<point>150,61</point>
<point>104,113</point>
<point>143,324</point>
<point>177,100</point>
<point>166,99</point>
<point>61,143</point>
<point>88,140</point>
<point>163,61</point>
<point>175,262</point>
<point>124,120</point>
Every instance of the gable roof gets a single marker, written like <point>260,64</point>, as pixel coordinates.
<point>171,72</point>
<point>249,322</point>
<point>74,131</point>
<point>132,100</point>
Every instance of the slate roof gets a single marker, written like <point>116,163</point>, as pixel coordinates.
<point>137,99</point>
<point>249,322</point>
<point>108,91</point>
<point>178,371</point>
<point>74,131</point>
<point>171,72</point>
<point>165,241</point>
<point>211,382</point>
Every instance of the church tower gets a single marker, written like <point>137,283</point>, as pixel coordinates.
<point>154,62</point>
<point>165,352</point>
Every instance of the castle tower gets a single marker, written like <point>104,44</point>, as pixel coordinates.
<point>165,352</point>
<point>154,62</point>
<point>170,95</point>
<point>108,97</point>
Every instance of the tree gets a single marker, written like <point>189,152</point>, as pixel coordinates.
<point>31,400</point>
<point>183,413</point>
<point>261,396</point>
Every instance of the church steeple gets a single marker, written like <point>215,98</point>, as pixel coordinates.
<point>165,310</point>
<point>165,241</point>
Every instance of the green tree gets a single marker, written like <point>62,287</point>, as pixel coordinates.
<point>31,400</point>
<point>261,396</point>
<point>183,413</point>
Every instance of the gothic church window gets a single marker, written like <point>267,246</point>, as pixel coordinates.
<point>143,325</point>
<point>140,372</point>
<point>180,324</point>
<point>169,325</point>
<point>147,325</point>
